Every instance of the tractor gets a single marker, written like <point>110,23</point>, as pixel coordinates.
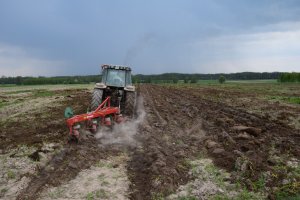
<point>114,97</point>
<point>117,84</point>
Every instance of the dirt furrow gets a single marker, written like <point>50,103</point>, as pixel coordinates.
<point>64,166</point>
<point>168,137</point>
<point>261,140</point>
<point>173,133</point>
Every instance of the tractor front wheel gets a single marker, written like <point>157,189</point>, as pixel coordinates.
<point>96,98</point>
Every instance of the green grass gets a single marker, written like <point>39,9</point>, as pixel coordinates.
<point>292,100</point>
<point>11,174</point>
<point>243,195</point>
<point>101,176</point>
<point>259,185</point>
<point>207,82</point>
<point>43,93</point>
<point>3,190</point>
<point>90,196</point>
<point>104,164</point>
<point>295,100</point>
<point>157,196</point>
<point>252,81</point>
<point>221,197</point>
<point>246,195</point>
<point>188,198</point>
<point>12,88</point>
<point>18,91</point>
<point>7,103</point>
<point>7,85</point>
<point>261,88</point>
<point>217,176</point>
<point>57,193</point>
<point>216,82</point>
<point>3,104</point>
<point>102,194</point>
<point>105,183</point>
<point>288,191</point>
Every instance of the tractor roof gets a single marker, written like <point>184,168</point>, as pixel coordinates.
<point>105,66</point>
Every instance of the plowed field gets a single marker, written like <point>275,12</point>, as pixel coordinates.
<point>237,141</point>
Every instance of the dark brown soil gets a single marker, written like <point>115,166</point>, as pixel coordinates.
<point>47,125</point>
<point>65,166</point>
<point>172,112</point>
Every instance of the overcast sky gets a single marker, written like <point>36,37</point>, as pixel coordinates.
<point>60,37</point>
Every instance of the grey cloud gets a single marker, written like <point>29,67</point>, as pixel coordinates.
<point>152,36</point>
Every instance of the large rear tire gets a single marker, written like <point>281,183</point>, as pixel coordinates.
<point>96,98</point>
<point>130,103</point>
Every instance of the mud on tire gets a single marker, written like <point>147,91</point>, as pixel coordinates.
<point>130,104</point>
<point>96,98</point>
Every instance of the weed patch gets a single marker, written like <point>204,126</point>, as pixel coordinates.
<point>292,100</point>
<point>3,104</point>
<point>11,174</point>
<point>288,191</point>
<point>102,194</point>
<point>56,194</point>
<point>188,198</point>
<point>104,164</point>
<point>259,184</point>
<point>90,196</point>
<point>3,191</point>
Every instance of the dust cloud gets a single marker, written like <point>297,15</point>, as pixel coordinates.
<point>123,133</point>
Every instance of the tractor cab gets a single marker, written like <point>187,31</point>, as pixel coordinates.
<point>116,76</point>
<point>116,83</point>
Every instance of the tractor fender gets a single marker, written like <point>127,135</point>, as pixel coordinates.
<point>100,86</point>
<point>130,88</point>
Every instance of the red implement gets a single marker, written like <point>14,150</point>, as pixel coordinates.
<point>104,115</point>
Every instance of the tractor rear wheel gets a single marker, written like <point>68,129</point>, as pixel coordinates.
<point>96,98</point>
<point>130,104</point>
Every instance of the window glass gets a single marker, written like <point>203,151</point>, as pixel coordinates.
<point>104,72</point>
<point>128,78</point>
<point>115,78</point>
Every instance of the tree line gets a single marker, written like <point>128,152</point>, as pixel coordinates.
<point>289,77</point>
<point>158,78</point>
<point>193,78</point>
<point>19,80</point>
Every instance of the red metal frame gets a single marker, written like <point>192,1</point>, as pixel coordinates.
<point>101,112</point>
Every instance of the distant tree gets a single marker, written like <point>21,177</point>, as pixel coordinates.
<point>147,80</point>
<point>186,80</point>
<point>175,80</point>
<point>222,79</point>
<point>194,80</point>
<point>289,77</point>
<point>136,79</point>
<point>19,80</point>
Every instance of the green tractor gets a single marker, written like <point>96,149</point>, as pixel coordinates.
<point>116,83</point>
